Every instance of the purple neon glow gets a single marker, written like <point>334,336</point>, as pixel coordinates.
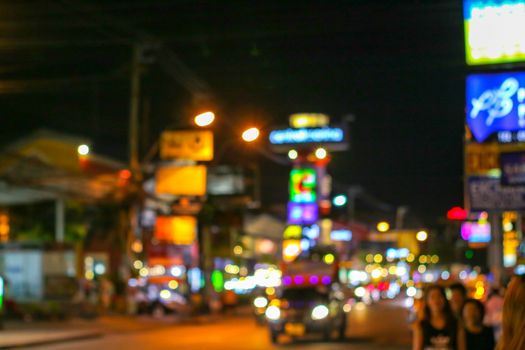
<point>298,279</point>
<point>287,280</point>
<point>475,232</point>
<point>302,213</point>
<point>314,279</point>
<point>326,280</point>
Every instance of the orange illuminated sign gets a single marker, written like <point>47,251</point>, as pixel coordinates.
<point>176,229</point>
<point>291,249</point>
<point>181,180</point>
<point>187,144</point>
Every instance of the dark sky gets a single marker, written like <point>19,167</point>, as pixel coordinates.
<point>397,66</point>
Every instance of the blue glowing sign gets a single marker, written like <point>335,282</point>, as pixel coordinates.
<point>341,235</point>
<point>307,135</point>
<point>495,102</point>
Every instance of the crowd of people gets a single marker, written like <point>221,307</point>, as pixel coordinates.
<point>460,323</point>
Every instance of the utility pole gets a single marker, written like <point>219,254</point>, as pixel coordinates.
<point>134,112</point>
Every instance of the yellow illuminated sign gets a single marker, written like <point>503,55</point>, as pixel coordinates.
<point>187,144</point>
<point>293,232</point>
<point>309,120</point>
<point>481,159</point>
<point>181,180</point>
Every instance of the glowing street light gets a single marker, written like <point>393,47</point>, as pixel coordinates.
<point>204,119</point>
<point>83,150</point>
<point>292,154</point>
<point>251,134</point>
<point>383,226</point>
<point>320,153</point>
<point>422,236</point>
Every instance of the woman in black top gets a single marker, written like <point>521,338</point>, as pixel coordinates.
<point>438,330</point>
<point>478,336</point>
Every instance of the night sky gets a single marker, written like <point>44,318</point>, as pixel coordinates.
<point>396,66</point>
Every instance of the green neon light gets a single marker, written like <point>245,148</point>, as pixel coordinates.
<point>217,280</point>
<point>303,184</point>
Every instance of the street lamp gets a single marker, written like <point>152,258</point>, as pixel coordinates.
<point>251,134</point>
<point>83,150</point>
<point>204,119</point>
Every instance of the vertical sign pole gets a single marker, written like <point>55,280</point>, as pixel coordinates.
<point>496,247</point>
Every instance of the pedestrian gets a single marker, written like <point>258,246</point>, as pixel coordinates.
<point>477,335</point>
<point>494,311</point>
<point>457,298</point>
<point>513,325</point>
<point>439,329</point>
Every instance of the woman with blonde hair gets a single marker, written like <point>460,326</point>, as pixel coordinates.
<point>513,327</point>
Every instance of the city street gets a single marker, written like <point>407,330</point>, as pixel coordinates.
<point>380,326</point>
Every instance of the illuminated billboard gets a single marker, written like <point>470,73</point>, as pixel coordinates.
<point>302,213</point>
<point>332,138</point>
<point>495,103</point>
<point>309,120</point>
<point>494,31</point>
<point>181,180</point>
<point>303,183</point>
<point>187,144</point>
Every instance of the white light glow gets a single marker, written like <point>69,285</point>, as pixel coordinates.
<point>360,292</point>
<point>165,294</point>
<point>177,271</point>
<point>204,119</point>
<point>319,312</point>
<point>260,302</point>
<point>250,134</point>
<point>320,153</point>
<point>83,150</point>
<point>411,292</point>
<point>292,154</point>
<point>273,313</point>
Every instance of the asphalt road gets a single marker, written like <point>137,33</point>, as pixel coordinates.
<point>380,326</point>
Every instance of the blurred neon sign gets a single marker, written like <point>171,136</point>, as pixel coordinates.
<point>495,103</point>
<point>302,213</point>
<point>303,184</point>
<point>475,232</point>
<point>309,120</point>
<point>494,31</point>
<point>341,235</point>
<point>307,135</point>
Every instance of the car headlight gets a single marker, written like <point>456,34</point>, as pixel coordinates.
<point>273,313</point>
<point>260,302</point>
<point>319,312</point>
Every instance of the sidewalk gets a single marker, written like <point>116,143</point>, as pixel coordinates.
<point>27,334</point>
<point>18,334</point>
<point>21,339</point>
